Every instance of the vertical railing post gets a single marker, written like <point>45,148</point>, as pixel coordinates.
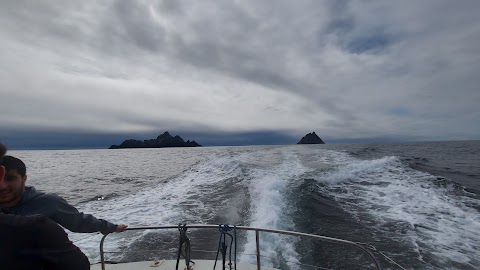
<point>257,238</point>
<point>102,253</point>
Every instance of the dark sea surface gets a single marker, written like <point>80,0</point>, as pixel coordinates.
<point>418,202</point>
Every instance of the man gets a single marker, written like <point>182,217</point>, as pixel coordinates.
<point>17,199</point>
<point>35,243</point>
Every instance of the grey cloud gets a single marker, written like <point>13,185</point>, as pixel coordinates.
<point>133,22</point>
<point>356,61</point>
<point>170,6</point>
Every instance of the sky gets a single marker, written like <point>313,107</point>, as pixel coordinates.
<point>94,73</point>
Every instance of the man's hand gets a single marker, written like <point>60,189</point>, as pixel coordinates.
<point>121,228</point>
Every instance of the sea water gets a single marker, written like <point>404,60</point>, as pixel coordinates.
<point>417,202</point>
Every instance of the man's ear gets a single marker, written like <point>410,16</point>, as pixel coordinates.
<point>24,179</point>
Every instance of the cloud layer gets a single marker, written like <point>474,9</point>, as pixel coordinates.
<point>346,69</point>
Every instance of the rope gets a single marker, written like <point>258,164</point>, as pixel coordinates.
<point>235,241</point>
<point>183,239</point>
<point>223,246</point>
<point>220,246</point>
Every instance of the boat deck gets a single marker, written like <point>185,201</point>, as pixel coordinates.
<point>170,264</point>
<point>224,230</point>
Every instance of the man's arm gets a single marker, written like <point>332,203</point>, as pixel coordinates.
<point>75,221</point>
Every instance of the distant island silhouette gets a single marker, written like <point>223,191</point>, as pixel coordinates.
<point>164,140</point>
<point>311,138</point>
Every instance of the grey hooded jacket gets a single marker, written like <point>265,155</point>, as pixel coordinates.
<point>58,210</point>
<point>36,242</point>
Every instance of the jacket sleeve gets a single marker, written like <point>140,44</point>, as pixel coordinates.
<point>55,251</point>
<point>75,221</point>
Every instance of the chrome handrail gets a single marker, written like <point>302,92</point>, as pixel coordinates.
<point>257,239</point>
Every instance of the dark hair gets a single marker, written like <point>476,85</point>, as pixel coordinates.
<point>3,150</point>
<point>13,163</point>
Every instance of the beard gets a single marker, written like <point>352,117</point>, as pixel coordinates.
<point>9,197</point>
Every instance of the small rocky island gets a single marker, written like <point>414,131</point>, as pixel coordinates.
<point>164,140</point>
<point>311,138</point>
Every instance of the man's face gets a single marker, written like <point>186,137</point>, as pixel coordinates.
<point>12,186</point>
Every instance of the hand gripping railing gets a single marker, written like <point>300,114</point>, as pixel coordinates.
<point>257,239</point>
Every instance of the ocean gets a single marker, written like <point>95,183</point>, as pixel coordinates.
<point>418,202</point>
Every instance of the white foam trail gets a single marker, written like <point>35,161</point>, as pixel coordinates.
<point>179,200</point>
<point>441,222</point>
<point>269,209</point>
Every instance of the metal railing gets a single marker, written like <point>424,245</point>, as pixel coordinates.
<point>257,239</point>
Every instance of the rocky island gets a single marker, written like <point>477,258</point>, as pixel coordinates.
<point>311,138</point>
<point>164,140</point>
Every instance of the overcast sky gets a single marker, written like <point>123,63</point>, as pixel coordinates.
<point>349,70</point>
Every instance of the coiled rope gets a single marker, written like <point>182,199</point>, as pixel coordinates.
<point>183,239</point>
<point>223,246</point>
